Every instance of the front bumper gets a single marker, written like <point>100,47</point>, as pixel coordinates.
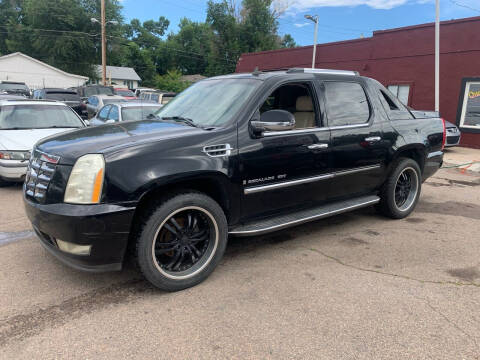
<point>13,170</point>
<point>104,227</point>
<point>452,140</point>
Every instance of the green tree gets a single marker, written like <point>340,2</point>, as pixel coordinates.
<point>60,32</point>
<point>288,42</point>
<point>186,50</point>
<point>171,81</point>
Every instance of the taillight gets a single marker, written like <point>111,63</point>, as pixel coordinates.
<point>444,134</point>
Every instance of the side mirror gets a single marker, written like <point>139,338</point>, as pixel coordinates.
<point>110,121</point>
<point>87,122</point>
<point>273,120</point>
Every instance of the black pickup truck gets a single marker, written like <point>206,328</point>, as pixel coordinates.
<point>241,154</point>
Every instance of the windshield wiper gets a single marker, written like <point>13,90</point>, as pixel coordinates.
<point>152,117</point>
<point>181,119</point>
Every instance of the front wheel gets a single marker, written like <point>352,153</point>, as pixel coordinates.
<point>401,191</point>
<point>181,241</point>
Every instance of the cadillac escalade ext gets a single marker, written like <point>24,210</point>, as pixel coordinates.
<point>241,154</point>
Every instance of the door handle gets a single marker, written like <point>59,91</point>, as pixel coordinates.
<point>317,146</point>
<point>373,139</point>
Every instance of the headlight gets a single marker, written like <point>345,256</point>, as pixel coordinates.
<point>86,180</point>
<point>14,155</point>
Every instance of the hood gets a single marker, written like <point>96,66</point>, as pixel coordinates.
<point>107,138</point>
<point>449,125</point>
<point>25,139</point>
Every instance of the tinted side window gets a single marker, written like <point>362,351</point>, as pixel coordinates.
<point>93,100</point>
<point>113,113</point>
<point>154,97</point>
<point>393,107</point>
<point>102,115</point>
<point>346,103</point>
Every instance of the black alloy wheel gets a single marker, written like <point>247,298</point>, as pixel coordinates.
<point>400,192</point>
<point>406,189</point>
<point>183,240</point>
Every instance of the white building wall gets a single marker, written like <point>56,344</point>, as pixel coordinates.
<point>35,75</point>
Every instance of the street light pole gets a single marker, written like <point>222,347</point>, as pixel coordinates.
<point>437,55</point>
<point>104,43</point>
<point>315,20</point>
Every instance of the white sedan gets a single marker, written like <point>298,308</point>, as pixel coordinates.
<point>22,124</point>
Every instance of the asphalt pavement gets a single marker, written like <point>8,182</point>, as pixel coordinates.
<point>356,286</point>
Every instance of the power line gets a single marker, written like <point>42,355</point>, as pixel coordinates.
<point>464,6</point>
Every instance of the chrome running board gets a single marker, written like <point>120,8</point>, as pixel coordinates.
<point>284,221</point>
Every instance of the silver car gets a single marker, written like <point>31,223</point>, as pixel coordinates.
<point>125,111</point>
<point>96,102</point>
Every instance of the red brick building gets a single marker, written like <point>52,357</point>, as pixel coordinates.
<point>403,60</point>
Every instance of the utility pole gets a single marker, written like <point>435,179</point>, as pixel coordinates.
<point>315,20</point>
<point>103,25</point>
<point>104,43</point>
<point>437,55</point>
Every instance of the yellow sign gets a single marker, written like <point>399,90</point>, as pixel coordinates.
<point>474,94</point>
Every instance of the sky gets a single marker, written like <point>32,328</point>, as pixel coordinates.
<point>338,19</point>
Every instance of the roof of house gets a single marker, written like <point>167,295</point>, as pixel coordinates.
<point>119,72</point>
<point>44,64</point>
<point>193,78</point>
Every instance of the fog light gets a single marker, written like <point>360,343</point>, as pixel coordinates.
<point>74,248</point>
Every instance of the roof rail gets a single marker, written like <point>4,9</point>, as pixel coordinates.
<point>322,71</point>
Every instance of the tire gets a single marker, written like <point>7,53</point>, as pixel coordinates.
<point>4,183</point>
<point>196,238</point>
<point>395,190</point>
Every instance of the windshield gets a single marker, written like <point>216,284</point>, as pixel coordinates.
<point>9,86</point>
<point>125,93</point>
<point>210,102</point>
<point>63,96</point>
<point>109,101</point>
<point>138,112</point>
<point>98,90</point>
<point>37,117</point>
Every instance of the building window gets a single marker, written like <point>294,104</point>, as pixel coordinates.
<point>470,115</point>
<point>402,92</point>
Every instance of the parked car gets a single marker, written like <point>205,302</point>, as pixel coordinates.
<point>237,154</point>
<point>89,90</point>
<point>67,96</point>
<point>22,124</point>
<point>7,96</point>
<point>126,93</point>
<point>96,102</point>
<point>125,111</point>
<point>138,91</point>
<point>157,96</point>
<point>453,134</point>
<point>15,88</point>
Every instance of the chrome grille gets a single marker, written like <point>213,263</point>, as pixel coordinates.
<point>39,174</point>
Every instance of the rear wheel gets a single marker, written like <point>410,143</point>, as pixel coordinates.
<point>401,191</point>
<point>181,241</point>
